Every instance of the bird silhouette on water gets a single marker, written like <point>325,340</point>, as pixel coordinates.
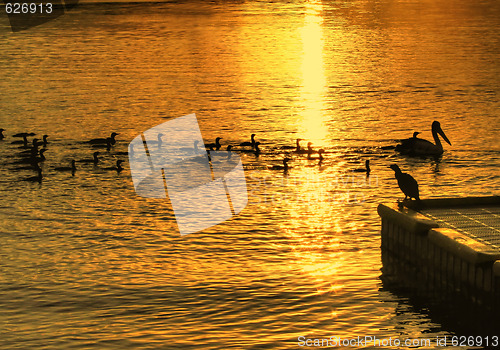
<point>24,141</point>
<point>44,141</point>
<point>366,169</point>
<point>37,178</point>
<point>104,141</point>
<point>406,183</point>
<point>72,168</point>
<point>283,167</point>
<point>415,146</point>
<point>251,143</point>
<point>118,168</point>
<point>215,145</point>
<point>106,145</point>
<point>94,160</point>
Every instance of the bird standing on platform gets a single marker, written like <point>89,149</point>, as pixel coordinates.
<point>406,183</point>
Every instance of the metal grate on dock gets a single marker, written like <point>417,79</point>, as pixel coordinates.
<point>482,224</point>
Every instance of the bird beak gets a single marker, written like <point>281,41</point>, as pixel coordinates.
<point>441,132</point>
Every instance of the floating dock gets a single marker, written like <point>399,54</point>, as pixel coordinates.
<point>445,248</point>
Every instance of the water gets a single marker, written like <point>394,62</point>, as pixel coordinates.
<point>86,263</point>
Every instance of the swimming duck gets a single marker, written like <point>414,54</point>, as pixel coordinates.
<point>94,159</point>
<point>24,141</point>
<point>32,152</point>
<point>37,178</point>
<point>406,183</point>
<point>417,146</point>
<point>283,167</point>
<point>320,159</point>
<point>157,142</point>
<point>215,145</point>
<point>104,141</point>
<point>1,134</point>
<point>366,169</point>
<point>309,150</point>
<point>255,151</point>
<point>194,150</point>
<point>42,143</point>
<point>107,145</point>
<point>298,149</point>
<point>118,168</point>
<point>72,168</point>
<point>251,143</point>
<point>32,159</point>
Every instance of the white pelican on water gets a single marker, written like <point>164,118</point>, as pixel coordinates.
<point>417,146</point>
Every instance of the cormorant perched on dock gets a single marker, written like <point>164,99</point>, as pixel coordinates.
<point>421,147</point>
<point>406,183</point>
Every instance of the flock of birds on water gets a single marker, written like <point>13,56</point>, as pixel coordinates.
<point>32,154</point>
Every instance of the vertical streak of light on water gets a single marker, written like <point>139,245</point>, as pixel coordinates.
<point>313,89</point>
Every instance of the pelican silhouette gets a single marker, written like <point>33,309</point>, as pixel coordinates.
<point>421,147</point>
